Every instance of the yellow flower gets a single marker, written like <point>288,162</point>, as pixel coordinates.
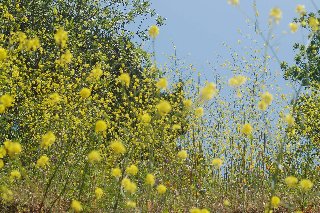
<point>276,14</point>
<point>208,92</point>
<point>65,58</point>
<point>314,23</point>
<point>150,179</point>
<point>54,98</point>
<point>117,147</point>
<point>3,152</point>
<point>226,202</point>
<point>300,9</point>
<point>15,175</point>
<point>187,103</point>
<point>289,119</point>
<point>101,126</point>
<point>128,185</point>
<point>32,44</point>
<point>275,202</point>
<point>153,31</point>
<point>61,37</point>
<point>85,92</point>
<point>233,2</point>
<point>205,211</point>
<point>162,83</point>
<point>98,192</point>
<point>164,107</point>
<point>182,154</point>
<point>125,79</point>
<point>217,162</point>
<point>291,181</point>
<point>1,164</point>
<point>76,206</point>
<point>146,118</point>
<point>94,156</point>
<point>96,73</point>
<point>7,100</point>
<point>131,204</point>
<point>199,112</point>
<point>176,127</point>
<point>13,148</point>
<point>116,172</point>
<point>237,81</point>
<point>306,184</point>
<point>3,54</point>
<point>293,27</point>
<point>246,129</point>
<point>262,105</point>
<point>43,161</point>
<point>47,140</point>
<point>161,189</point>
<point>267,97</point>
<point>2,108</point>
<point>132,169</point>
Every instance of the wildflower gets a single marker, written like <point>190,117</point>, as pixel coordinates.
<point>187,103</point>
<point>161,189</point>
<point>98,192</point>
<point>276,14</point>
<point>293,27</point>
<point>128,185</point>
<point>117,147</point>
<point>300,9</point>
<point>291,181</point>
<point>47,140</point>
<point>176,127</point>
<point>32,44</point>
<point>6,194</point>
<point>262,105</point>
<point>275,202</point>
<point>15,175</point>
<point>162,83</point>
<point>150,179</point>
<point>94,156</point>
<point>85,92</point>
<point>3,54</point>
<point>226,202</point>
<point>2,108</point>
<point>125,79</point>
<point>182,154</point>
<point>237,81</point>
<point>233,2</point>
<point>100,126</point>
<point>54,98</point>
<point>76,206</point>
<point>164,107</point>
<point>146,118</point>
<point>12,148</point>
<point>246,129</point>
<point>3,152</point>
<point>205,211</point>
<point>6,100</point>
<point>267,97</point>
<point>208,92</point>
<point>199,112</point>
<point>65,58</point>
<point>96,73</point>
<point>131,204</point>
<point>61,37</point>
<point>314,23</point>
<point>1,164</point>
<point>217,162</point>
<point>132,169</point>
<point>289,119</point>
<point>305,184</point>
<point>116,172</point>
<point>43,161</point>
<point>153,31</point>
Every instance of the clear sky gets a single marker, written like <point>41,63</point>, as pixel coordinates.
<point>199,27</point>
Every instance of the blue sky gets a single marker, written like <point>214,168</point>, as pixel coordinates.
<point>198,28</point>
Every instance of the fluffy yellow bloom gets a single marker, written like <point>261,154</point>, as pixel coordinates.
<point>96,73</point>
<point>267,97</point>
<point>117,147</point>
<point>43,161</point>
<point>161,189</point>
<point>262,105</point>
<point>146,118</point>
<point>131,204</point>
<point>289,119</point>
<point>233,2</point>
<point>162,83</point>
<point>314,23</point>
<point>65,58</point>
<point>300,9</point>
<point>1,164</point>
<point>124,78</point>
<point>305,184</point>
<point>187,103</point>
<point>2,108</point>
<point>3,152</point>
<point>176,127</point>
<point>76,206</point>
<point>246,129</point>
<point>47,140</point>
<point>33,44</point>
<point>85,92</point>
<point>217,162</point>
<point>94,156</point>
<point>164,107</point>
<point>7,100</point>
<point>182,154</point>
<point>12,148</point>
<point>116,172</point>
<point>3,54</point>
<point>153,31</point>
<point>208,92</point>
<point>237,81</point>
<point>205,211</point>
<point>15,175</point>
<point>98,193</point>
<point>199,112</point>
<point>195,210</point>
<point>101,126</point>
<point>54,98</point>
<point>128,185</point>
<point>61,37</point>
<point>132,169</point>
<point>276,14</point>
<point>150,179</point>
<point>293,27</point>
<point>275,202</point>
<point>291,181</point>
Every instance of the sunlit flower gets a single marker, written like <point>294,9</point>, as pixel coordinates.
<point>187,103</point>
<point>208,92</point>
<point>267,97</point>
<point>94,156</point>
<point>116,172</point>
<point>3,54</point>
<point>293,27</point>
<point>161,189</point>
<point>6,100</point>
<point>76,206</point>
<point>1,164</point>
<point>146,118</point>
<point>125,79</point>
<point>199,112</point>
<point>289,119</point>
<point>3,152</point>
<point>132,169</point>
<point>117,147</point>
<point>276,14</point>
<point>153,31</point>
<point>275,202</point>
<point>47,140</point>
<point>247,129</point>
<point>262,105</point>
<point>131,204</point>
<point>15,175</point>
<point>61,37</point>
<point>305,184</point>
<point>85,92</point>
<point>226,202</point>
<point>43,161</point>
<point>237,81</point>
<point>314,23</point>
<point>12,148</point>
<point>150,179</point>
<point>182,154</point>
<point>101,126</point>
<point>2,108</point>
<point>98,193</point>
<point>300,9</point>
<point>164,107</point>
<point>162,83</point>
<point>217,162</point>
<point>291,181</point>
